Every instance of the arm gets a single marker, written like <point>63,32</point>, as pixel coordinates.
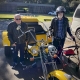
<point>9,34</point>
<point>68,29</point>
<point>51,27</point>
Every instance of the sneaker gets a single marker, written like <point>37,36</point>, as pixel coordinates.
<point>23,64</point>
<point>14,65</point>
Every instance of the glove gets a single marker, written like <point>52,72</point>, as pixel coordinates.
<point>31,59</point>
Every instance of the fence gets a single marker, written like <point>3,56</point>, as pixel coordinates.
<point>33,8</point>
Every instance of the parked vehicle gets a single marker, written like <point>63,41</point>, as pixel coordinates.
<point>52,13</point>
<point>75,26</point>
<point>32,23</point>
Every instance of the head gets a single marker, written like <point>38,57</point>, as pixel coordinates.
<point>60,12</point>
<point>17,18</point>
<point>60,15</point>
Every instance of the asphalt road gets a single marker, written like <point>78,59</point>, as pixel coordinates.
<point>7,73</point>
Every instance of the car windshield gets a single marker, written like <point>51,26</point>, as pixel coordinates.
<point>37,28</point>
<point>77,14</point>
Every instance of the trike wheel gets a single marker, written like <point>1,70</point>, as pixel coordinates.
<point>77,68</point>
<point>78,34</point>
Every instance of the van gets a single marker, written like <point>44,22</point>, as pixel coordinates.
<point>75,26</point>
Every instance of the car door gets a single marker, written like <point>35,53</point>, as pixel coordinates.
<point>76,19</point>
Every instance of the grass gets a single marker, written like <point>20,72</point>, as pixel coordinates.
<point>6,15</point>
<point>39,17</point>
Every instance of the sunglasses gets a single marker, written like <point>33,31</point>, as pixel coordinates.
<point>18,19</point>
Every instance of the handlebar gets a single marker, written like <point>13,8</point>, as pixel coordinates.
<point>74,46</point>
<point>23,33</point>
<point>41,41</point>
<point>73,39</point>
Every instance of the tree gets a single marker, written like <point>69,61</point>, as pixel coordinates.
<point>56,2</point>
<point>74,4</point>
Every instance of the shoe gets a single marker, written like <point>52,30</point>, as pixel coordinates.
<point>23,64</point>
<point>14,65</point>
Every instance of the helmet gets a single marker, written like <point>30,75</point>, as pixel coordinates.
<point>60,9</point>
<point>52,49</point>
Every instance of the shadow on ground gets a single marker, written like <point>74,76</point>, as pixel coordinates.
<point>35,72</point>
<point>32,73</point>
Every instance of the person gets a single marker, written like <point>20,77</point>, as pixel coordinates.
<point>15,29</point>
<point>59,28</point>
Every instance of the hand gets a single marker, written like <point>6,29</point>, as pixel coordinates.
<point>55,56</point>
<point>49,37</point>
<point>14,44</point>
<point>32,59</point>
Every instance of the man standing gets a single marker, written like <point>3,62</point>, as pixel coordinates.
<point>60,27</point>
<point>15,29</point>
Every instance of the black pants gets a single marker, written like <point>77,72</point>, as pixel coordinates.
<point>59,43</point>
<point>20,47</point>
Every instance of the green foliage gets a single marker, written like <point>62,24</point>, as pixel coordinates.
<point>68,4</point>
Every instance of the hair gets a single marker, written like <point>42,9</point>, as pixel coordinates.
<point>16,15</point>
<point>63,13</point>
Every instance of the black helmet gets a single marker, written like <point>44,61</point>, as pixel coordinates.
<point>60,9</point>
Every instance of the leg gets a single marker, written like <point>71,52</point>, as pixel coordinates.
<point>56,44</point>
<point>15,53</point>
<point>60,47</point>
<point>22,49</point>
<point>62,42</point>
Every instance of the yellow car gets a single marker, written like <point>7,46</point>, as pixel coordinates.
<point>32,23</point>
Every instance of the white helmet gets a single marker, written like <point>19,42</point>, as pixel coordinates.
<point>52,49</point>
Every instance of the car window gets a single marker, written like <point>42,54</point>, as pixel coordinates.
<point>77,14</point>
<point>37,28</point>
